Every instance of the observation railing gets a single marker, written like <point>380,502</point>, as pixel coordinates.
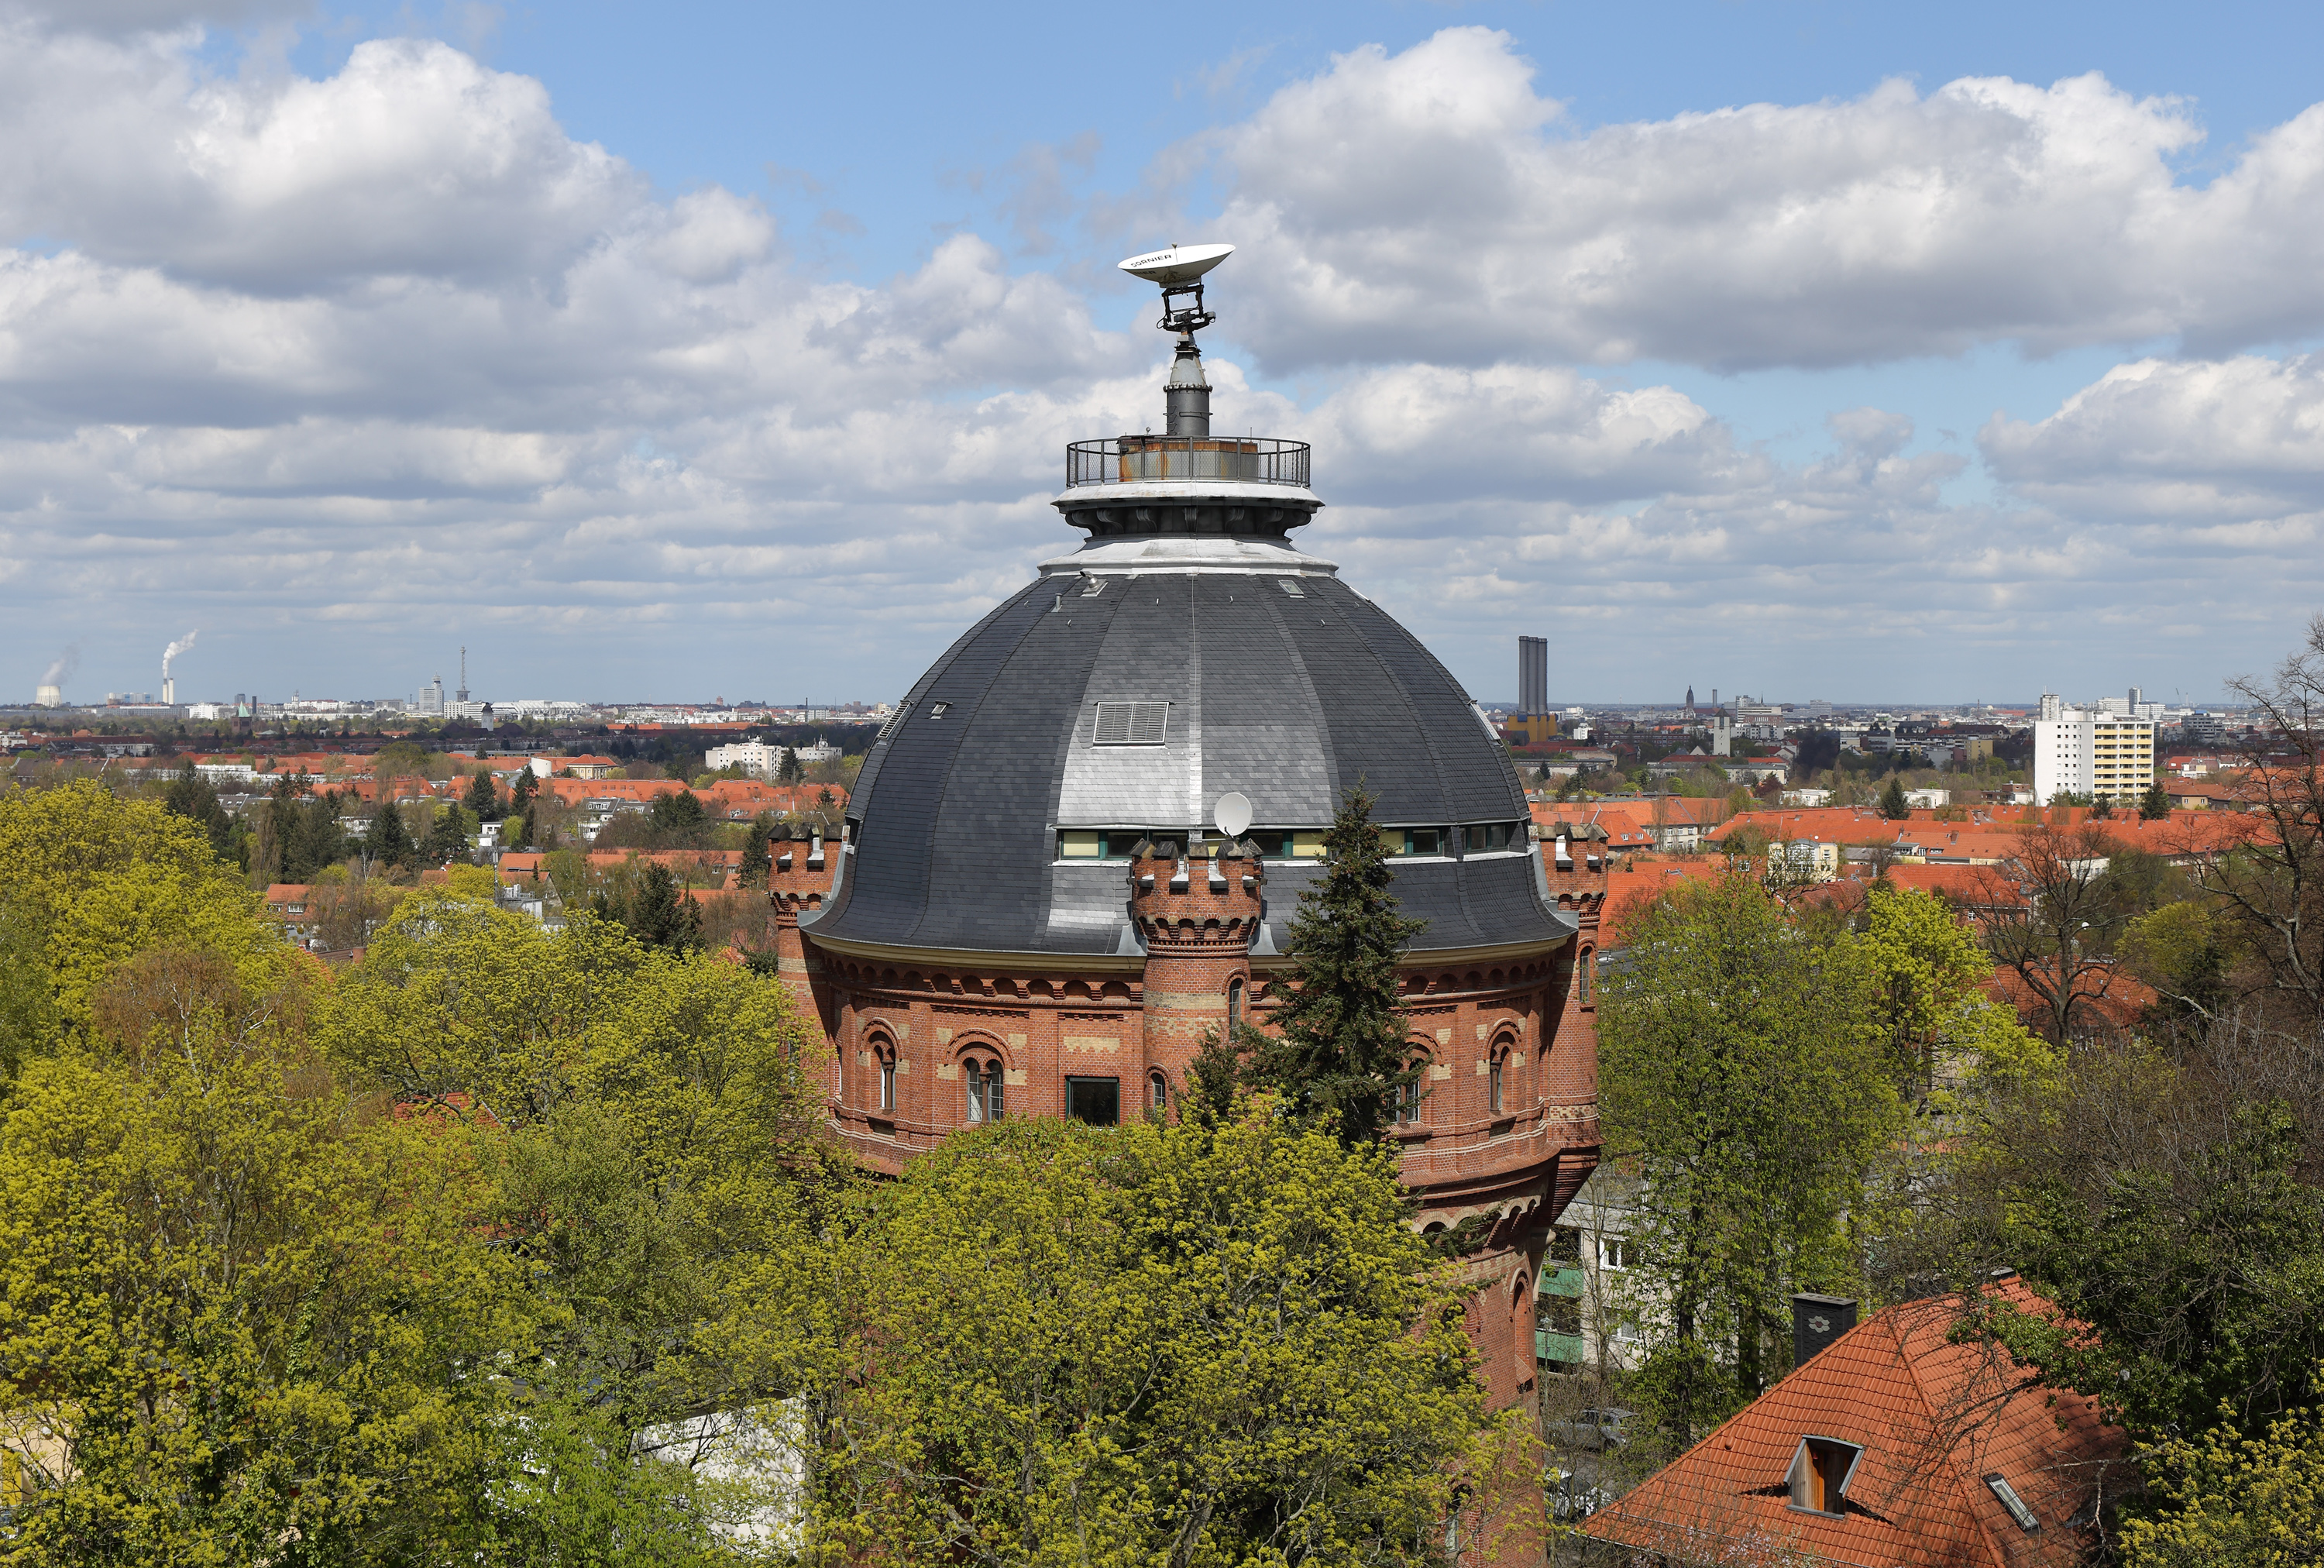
<point>1185,460</point>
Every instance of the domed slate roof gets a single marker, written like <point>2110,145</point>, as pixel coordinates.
<point>1282,683</point>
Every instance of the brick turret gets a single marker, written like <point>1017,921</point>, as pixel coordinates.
<point>1198,914</point>
<point>798,878</point>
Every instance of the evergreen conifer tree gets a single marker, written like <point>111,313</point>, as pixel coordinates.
<point>190,795</point>
<point>2155,805</point>
<point>389,841</point>
<point>1893,804</point>
<point>447,837</point>
<point>789,771</point>
<point>757,848</point>
<point>484,801</point>
<point>1340,1052</point>
<point>661,913</point>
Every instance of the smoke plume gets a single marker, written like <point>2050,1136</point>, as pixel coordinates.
<point>61,667</point>
<point>175,649</point>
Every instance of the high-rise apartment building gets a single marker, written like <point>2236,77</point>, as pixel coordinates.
<point>2086,751</point>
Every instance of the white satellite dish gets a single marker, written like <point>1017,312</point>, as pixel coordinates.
<point>1177,263</point>
<point>1233,813</point>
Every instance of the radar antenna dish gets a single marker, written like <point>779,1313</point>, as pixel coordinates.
<point>1179,270</point>
<point>1233,813</point>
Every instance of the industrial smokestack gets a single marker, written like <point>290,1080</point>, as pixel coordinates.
<point>169,685</point>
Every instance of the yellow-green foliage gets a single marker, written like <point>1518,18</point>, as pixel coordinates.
<point>243,1304</point>
<point>87,879</point>
<point>669,1187</point>
<point>2235,1502</point>
<point>1945,1034</point>
<point>1180,1344</point>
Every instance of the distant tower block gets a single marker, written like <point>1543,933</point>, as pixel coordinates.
<point>1533,677</point>
<point>1534,723</point>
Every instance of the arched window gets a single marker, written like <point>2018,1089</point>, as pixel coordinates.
<point>1158,1092</point>
<point>1497,1073</point>
<point>1234,1004</point>
<point>886,1053</point>
<point>986,1099</point>
<point>1586,963</point>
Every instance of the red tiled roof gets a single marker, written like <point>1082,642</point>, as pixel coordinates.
<point>1932,1418</point>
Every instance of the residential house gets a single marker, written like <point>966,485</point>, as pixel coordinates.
<point>1894,1441</point>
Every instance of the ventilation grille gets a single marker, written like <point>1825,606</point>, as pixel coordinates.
<point>1132,724</point>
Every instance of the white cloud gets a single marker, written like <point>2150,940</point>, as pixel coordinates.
<point>1431,205</point>
<point>339,369</point>
<point>2201,441</point>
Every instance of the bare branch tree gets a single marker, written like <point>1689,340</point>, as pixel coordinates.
<point>2272,881</point>
<point>2050,913</point>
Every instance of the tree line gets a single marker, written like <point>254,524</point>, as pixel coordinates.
<point>1820,1092</point>
<point>511,1244</point>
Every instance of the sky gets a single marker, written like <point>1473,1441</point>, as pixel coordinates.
<point>1867,353</point>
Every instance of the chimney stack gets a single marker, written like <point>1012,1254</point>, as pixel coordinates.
<point>1816,1322</point>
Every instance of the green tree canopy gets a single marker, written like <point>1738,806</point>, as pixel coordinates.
<point>482,798</point>
<point>1340,1052</point>
<point>251,1310</point>
<point>1742,1070</point>
<point>1893,804</point>
<point>679,817</point>
<point>388,841</point>
<point>1181,1344</point>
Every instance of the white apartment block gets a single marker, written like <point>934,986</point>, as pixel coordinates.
<point>760,760</point>
<point>2091,752</point>
<point>755,757</point>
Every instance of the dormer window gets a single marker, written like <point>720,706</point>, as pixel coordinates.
<point>1820,1471</point>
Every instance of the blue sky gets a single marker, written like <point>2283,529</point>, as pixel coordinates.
<point>701,349</point>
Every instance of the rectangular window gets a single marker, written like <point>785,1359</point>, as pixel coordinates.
<point>1407,1101</point>
<point>1081,845</point>
<point>1131,723</point>
<point>1096,1100</point>
<point>1496,1087</point>
<point>1613,1251</point>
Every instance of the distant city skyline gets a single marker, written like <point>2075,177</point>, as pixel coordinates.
<point>1869,355</point>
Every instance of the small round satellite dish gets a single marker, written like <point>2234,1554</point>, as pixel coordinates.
<point>1233,813</point>
<point>1177,263</point>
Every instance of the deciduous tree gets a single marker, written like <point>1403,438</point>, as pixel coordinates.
<point>1743,1070</point>
<point>1175,1344</point>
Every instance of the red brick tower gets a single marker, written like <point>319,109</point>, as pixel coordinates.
<point>1197,914</point>
<point>799,880</point>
